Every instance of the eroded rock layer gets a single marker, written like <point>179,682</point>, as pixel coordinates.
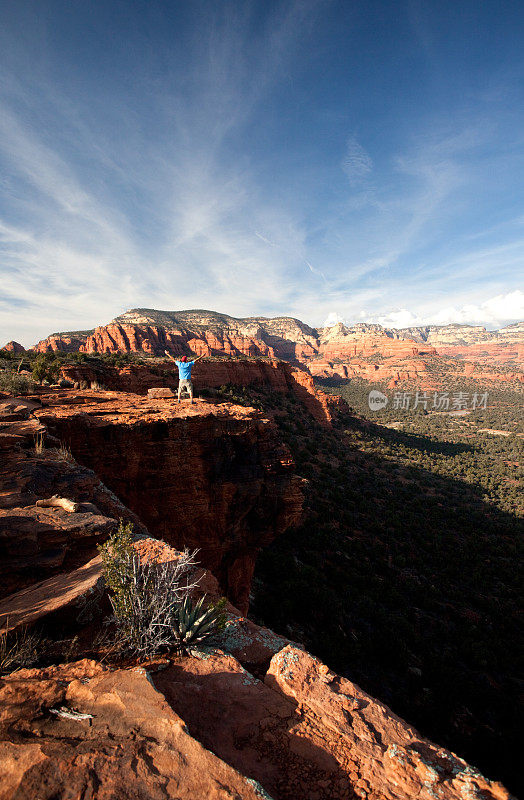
<point>37,542</point>
<point>205,727</point>
<point>276,376</point>
<point>367,351</point>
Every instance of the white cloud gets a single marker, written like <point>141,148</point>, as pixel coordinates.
<point>399,319</point>
<point>494,312</point>
<point>333,318</point>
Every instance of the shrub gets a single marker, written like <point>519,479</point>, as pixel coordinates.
<point>15,384</point>
<point>117,549</point>
<point>144,595</point>
<point>46,367</point>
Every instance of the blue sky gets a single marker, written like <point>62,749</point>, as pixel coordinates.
<point>347,160</point>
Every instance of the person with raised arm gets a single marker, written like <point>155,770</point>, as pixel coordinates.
<point>184,374</point>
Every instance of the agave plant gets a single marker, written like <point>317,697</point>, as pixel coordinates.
<point>192,622</point>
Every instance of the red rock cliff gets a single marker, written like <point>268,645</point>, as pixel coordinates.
<point>278,376</point>
<point>212,477</point>
<point>251,716</point>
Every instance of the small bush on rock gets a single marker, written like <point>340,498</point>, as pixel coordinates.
<point>145,596</point>
<point>46,368</point>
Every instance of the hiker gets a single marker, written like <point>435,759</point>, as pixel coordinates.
<point>184,374</point>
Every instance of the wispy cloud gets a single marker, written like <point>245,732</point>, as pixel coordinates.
<point>357,163</point>
<point>75,247</point>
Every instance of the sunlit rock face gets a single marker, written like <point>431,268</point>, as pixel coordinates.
<point>367,351</point>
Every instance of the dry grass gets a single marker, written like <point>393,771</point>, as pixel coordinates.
<point>64,453</point>
<point>39,443</point>
<point>19,649</point>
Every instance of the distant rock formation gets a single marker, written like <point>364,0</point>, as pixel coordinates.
<point>14,347</point>
<point>459,334</point>
<point>367,351</point>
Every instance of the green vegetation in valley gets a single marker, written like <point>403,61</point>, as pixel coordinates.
<point>483,447</point>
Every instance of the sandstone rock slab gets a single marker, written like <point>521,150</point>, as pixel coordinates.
<point>386,758</point>
<point>80,730</point>
<point>57,593</point>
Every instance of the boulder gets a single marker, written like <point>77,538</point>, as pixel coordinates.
<point>160,391</point>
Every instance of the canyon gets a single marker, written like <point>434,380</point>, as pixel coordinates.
<point>211,477</point>
<point>255,715</point>
<point>260,470</point>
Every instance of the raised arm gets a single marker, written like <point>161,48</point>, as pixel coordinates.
<point>197,359</point>
<point>168,354</point>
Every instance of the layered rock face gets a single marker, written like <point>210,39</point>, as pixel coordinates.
<point>460,335</point>
<point>200,332</point>
<point>367,351</point>
<point>392,371</point>
<point>62,342</point>
<point>37,542</point>
<point>253,715</point>
<point>446,334</point>
<point>342,342</point>
<point>212,477</point>
<point>371,353</point>
<point>509,354</point>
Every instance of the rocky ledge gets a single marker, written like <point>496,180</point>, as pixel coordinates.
<point>210,476</point>
<point>205,727</point>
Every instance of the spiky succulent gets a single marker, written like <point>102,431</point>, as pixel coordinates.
<point>192,622</point>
